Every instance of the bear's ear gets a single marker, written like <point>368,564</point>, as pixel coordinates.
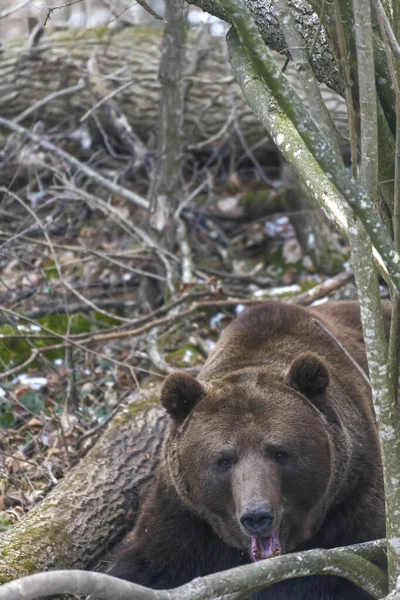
<point>179,394</point>
<point>309,375</point>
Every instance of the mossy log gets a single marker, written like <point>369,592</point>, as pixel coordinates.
<point>107,59</point>
<point>96,502</point>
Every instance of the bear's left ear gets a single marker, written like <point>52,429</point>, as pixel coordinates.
<point>309,375</point>
<point>179,395</point>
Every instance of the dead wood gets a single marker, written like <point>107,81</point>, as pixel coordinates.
<point>122,65</point>
<point>96,502</point>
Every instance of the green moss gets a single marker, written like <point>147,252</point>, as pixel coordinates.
<point>33,540</point>
<point>101,32</point>
<point>16,350</point>
<point>5,521</point>
<point>108,321</point>
<point>258,203</point>
<point>135,408</point>
<point>186,356</point>
<point>18,568</point>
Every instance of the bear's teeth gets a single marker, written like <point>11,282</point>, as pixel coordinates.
<point>266,547</point>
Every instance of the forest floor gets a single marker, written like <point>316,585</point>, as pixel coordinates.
<point>86,313</point>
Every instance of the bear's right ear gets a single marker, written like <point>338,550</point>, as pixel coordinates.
<point>179,395</point>
<point>309,375</point>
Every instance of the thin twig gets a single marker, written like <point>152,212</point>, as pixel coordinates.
<point>111,186</point>
<point>150,10</point>
<point>67,341</point>
<point>270,182</point>
<point>106,99</point>
<point>322,289</point>
<point>309,81</point>
<point>128,226</point>
<point>51,10</point>
<point>341,34</point>
<point>154,354</point>
<point>64,92</point>
<point>190,197</point>
<point>57,265</point>
<point>16,400</point>
<point>394,45</point>
<point>99,428</point>
<point>351,359</point>
<point>34,354</point>
<point>10,11</point>
<point>77,307</point>
<point>218,136</point>
<point>182,239</point>
<point>317,31</point>
<point>166,308</point>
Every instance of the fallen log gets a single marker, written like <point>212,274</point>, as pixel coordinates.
<point>96,502</point>
<point>124,63</point>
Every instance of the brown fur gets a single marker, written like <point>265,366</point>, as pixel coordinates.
<point>283,403</point>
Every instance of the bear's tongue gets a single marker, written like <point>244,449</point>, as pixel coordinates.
<point>265,547</point>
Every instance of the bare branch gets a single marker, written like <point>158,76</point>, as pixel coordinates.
<point>57,265</point>
<point>150,10</point>
<point>322,289</point>
<point>248,578</point>
<point>51,10</point>
<point>10,11</point>
<point>66,341</point>
<point>114,188</point>
<point>154,353</point>
<point>182,239</point>
<point>351,359</point>
<point>43,101</point>
<point>105,99</point>
<point>394,45</point>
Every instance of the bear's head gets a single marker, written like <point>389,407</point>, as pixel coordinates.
<point>252,454</point>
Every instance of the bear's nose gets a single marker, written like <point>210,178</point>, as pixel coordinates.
<point>257,518</point>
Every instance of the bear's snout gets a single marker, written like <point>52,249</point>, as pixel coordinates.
<point>257,519</point>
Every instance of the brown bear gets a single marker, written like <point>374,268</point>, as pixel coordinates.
<point>273,449</point>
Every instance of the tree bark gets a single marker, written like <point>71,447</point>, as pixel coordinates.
<point>61,58</point>
<point>305,16</point>
<point>96,502</point>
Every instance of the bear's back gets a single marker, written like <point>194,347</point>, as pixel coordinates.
<point>274,333</point>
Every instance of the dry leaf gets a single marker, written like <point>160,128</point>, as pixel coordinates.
<point>15,513</point>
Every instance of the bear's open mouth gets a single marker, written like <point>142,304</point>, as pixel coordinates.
<point>265,547</point>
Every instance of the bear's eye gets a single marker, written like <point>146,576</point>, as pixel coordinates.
<point>225,463</point>
<point>281,456</point>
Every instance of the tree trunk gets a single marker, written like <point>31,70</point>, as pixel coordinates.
<point>60,59</point>
<point>324,62</point>
<point>96,502</point>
